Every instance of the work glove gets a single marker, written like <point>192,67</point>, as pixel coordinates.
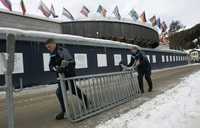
<point>64,63</point>
<point>123,67</point>
<point>60,69</point>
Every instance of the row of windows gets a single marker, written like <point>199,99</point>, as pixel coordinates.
<point>173,58</point>
<point>167,58</point>
<point>82,60</point>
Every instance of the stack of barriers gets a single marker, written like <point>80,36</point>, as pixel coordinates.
<point>104,91</point>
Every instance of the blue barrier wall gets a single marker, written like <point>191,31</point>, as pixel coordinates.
<point>33,60</point>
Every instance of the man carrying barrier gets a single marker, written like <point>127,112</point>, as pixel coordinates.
<point>63,63</point>
<point>141,64</point>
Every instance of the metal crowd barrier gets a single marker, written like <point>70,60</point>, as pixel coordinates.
<point>103,92</point>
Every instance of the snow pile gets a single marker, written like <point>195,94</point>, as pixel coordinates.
<point>176,108</point>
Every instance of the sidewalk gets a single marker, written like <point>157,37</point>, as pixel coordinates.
<point>178,107</point>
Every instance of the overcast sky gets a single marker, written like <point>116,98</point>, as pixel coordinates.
<point>187,11</point>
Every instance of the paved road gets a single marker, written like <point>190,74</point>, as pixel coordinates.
<point>37,110</point>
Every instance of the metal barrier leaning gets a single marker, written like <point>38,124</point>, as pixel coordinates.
<point>103,91</point>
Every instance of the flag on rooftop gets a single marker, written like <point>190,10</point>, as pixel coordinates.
<point>23,7</point>
<point>116,13</point>
<point>85,11</point>
<point>53,12</point>
<point>102,11</point>
<point>7,4</point>
<point>153,20</point>
<point>164,26</point>
<point>67,14</point>
<point>159,23</point>
<point>44,9</point>
<point>133,14</point>
<point>143,17</point>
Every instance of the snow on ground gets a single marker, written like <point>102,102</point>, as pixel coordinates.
<point>176,108</point>
<point>34,90</point>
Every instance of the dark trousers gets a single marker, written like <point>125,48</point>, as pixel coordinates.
<point>147,75</point>
<point>70,72</point>
<point>74,89</point>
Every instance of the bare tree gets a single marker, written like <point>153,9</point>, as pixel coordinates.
<point>175,26</point>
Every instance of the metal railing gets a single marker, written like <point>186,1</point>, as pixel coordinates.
<point>103,92</point>
<point>3,88</point>
<point>10,50</point>
<point>21,87</point>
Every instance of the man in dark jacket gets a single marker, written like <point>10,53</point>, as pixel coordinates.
<point>61,61</point>
<point>142,66</point>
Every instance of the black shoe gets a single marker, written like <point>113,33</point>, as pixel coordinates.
<point>141,91</point>
<point>150,90</point>
<point>86,102</point>
<point>60,116</point>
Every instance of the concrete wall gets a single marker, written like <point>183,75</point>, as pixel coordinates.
<point>28,23</point>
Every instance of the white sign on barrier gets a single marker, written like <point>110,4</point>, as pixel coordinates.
<point>163,59</point>
<point>2,63</point>
<point>117,59</point>
<point>174,58</point>
<point>167,58</point>
<point>102,60</point>
<point>46,59</point>
<point>148,57</point>
<point>128,59</point>
<point>154,58</point>
<point>18,64</point>
<point>81,60</point>
<point>171,59</point>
